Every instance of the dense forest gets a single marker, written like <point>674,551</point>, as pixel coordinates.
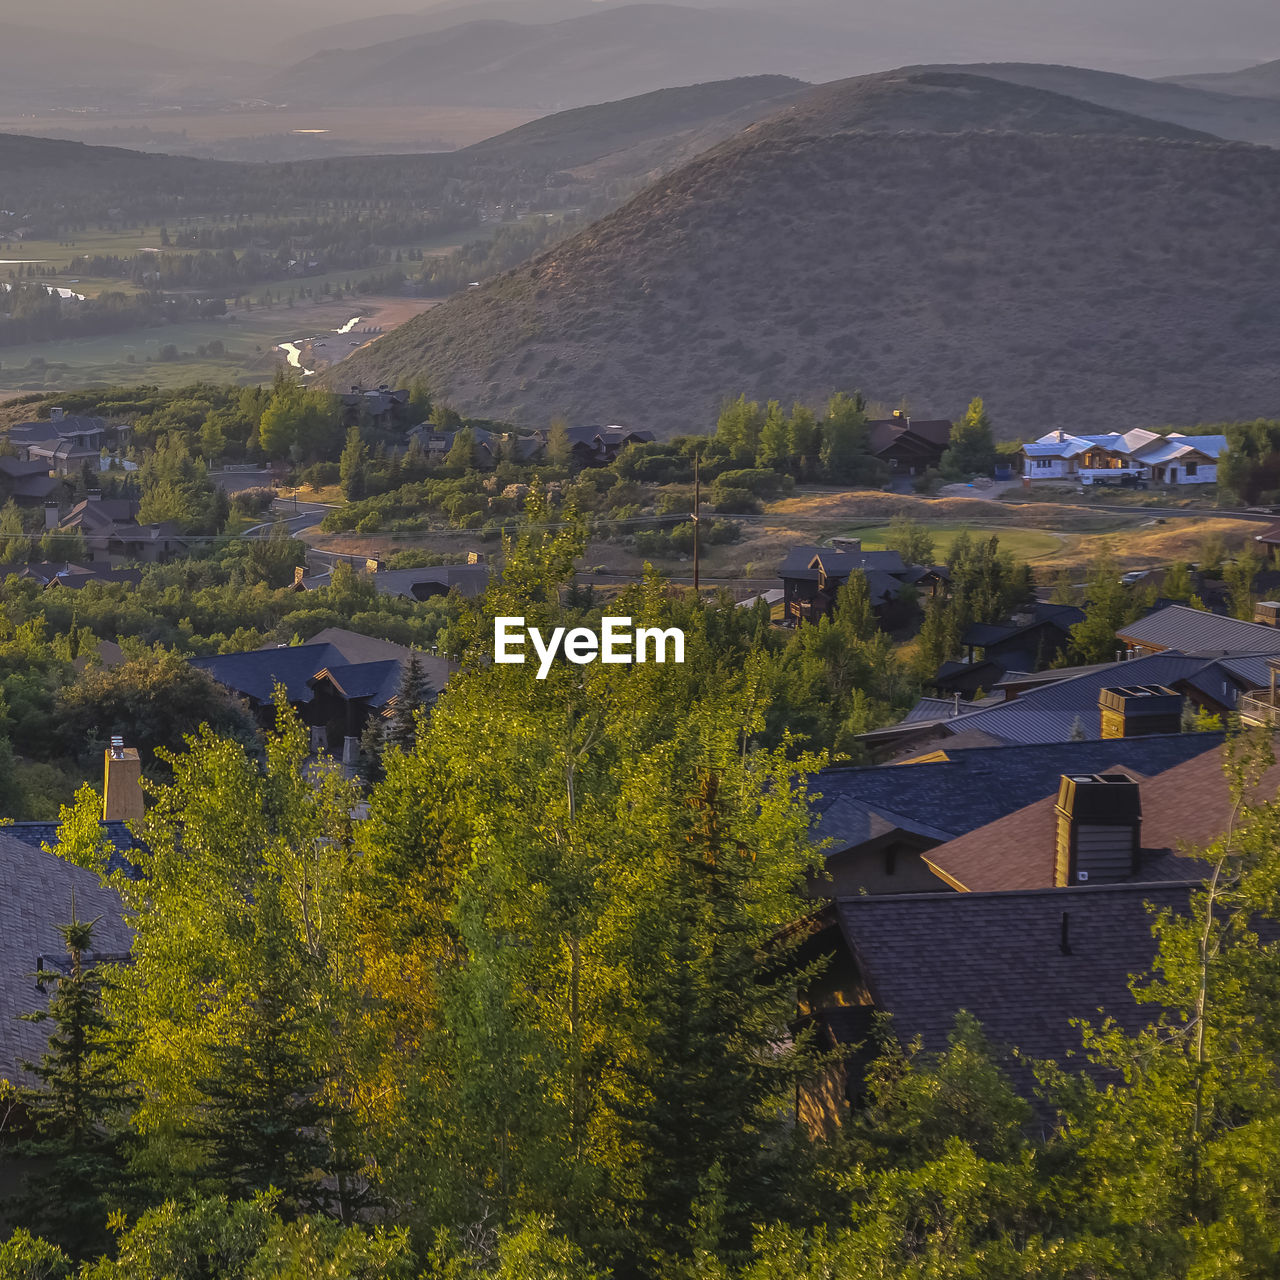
<point>593,1070</point>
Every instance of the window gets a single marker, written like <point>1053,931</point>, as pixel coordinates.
<point>1192,468</point>
<point>1044,464</point>
<point>890,861</point>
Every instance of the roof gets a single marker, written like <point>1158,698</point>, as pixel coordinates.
<point>375,682</point>
<point>36,893</point>
<point>974,786</point>
<point>39,834</point>
<point>800,562</point>
<point>1177,445</point>
<point>255,673</point>
<point>1178,626</point>
<point>926,957</point>
<point>1053,712</point>
<point>1185,807</point>
<point>471,580</point>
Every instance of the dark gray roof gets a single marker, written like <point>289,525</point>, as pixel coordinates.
<point>925,957</point>
<point>1050,713</point>
<point>376,682</point>
<point>256,673</point>
<point>838,563</point>
<point>977,785</point>
<point>36,890</point>
<point>471,580</point>
<point>1194,631</point>
<point>117,834</point>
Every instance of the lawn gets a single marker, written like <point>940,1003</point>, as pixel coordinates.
<point>1026,544</point>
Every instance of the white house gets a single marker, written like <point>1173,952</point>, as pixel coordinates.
<point>1145,455</point>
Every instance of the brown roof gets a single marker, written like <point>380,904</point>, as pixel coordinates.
<point>1184,807</point>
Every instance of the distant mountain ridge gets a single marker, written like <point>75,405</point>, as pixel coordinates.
<point>1084,266</point>
<point>600,56</point>
<point>1262,81</point>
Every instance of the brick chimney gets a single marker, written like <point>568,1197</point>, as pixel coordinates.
<point>1099,817</point>
<point>122,799</point>
<point>1139,710</point>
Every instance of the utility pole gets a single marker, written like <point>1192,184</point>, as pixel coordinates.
<point>697,503</point>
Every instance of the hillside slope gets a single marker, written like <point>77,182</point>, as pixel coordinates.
<point>577,137</point>
<point>1062,276</point>
<point>1228,115</point>
<point>1262,81</point>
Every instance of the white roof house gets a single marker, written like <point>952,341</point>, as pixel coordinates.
<point>1165,459</point>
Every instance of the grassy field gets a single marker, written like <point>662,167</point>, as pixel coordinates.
<point>236,134</point>
<point>1026,544</point>
<point>249,340</point>
<point>57,261</point>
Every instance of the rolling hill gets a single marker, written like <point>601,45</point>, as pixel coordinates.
<point>1080,270</point>
<point>657,124</point>
<point>1228,115</point>
<point>1262,81</point>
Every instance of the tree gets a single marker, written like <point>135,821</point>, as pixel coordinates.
<point>1239,576</point>
<point>738,429</point>
<point>774,450</point>
<point>462,452</point>
<point>176,489</point>
<point>79,1107</point>
<point>262,1123</point>
<point>1178,583</point>
<point>353,465</point>
<point>803,440</point>
<point>1107,608</point>
<point>412,699</point>
<point>559,446</point>
<point>972,450</point>
<point>911,540</point>
<point>844,439</point>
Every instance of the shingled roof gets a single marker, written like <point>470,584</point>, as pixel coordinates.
<point>1002,958</point>
<point>945,799</point>
<point>1184,807</point>
<point>36,892</point>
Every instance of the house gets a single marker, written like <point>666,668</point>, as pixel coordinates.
<point>28,484</point>
<point>336,682</point>
<point>1029,965</point>
<point>112,534</point>
<point>1113,825</point>
<point>438,443</point>
<point>876,823</point>
<point>812,577</point>
<point>1179,627</point>
<point>1124,457</point>
<point>84,432</point>
<point>910,446</point>
<point>380,408</point>
<point>469,580</point>
<point>1034,638</point>
<point>39,892</point>
<point>1074,707</point>
<point>598,446</point>
<point>75,576</point>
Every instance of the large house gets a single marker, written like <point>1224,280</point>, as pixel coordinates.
<point>812,577</point>
<point>1135,456</point>
<point>336,682</point>
<point>113,536</point>
<point>910,446</point>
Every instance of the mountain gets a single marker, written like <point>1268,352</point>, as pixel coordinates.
<point>600,56</point>
<point>648,129</point>
<point>1086,272</point>
<point>1227,115</point>
<point>42,68</point>
<point>1262,81</point>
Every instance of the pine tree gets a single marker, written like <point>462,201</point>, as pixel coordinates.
<point>352,467</point>
<point>972,451</point>
<point>78,1107</point>
<point>263,1120</point>
<point>413,696</point>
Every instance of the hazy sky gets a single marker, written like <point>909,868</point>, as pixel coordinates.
<point>1169,34</point>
